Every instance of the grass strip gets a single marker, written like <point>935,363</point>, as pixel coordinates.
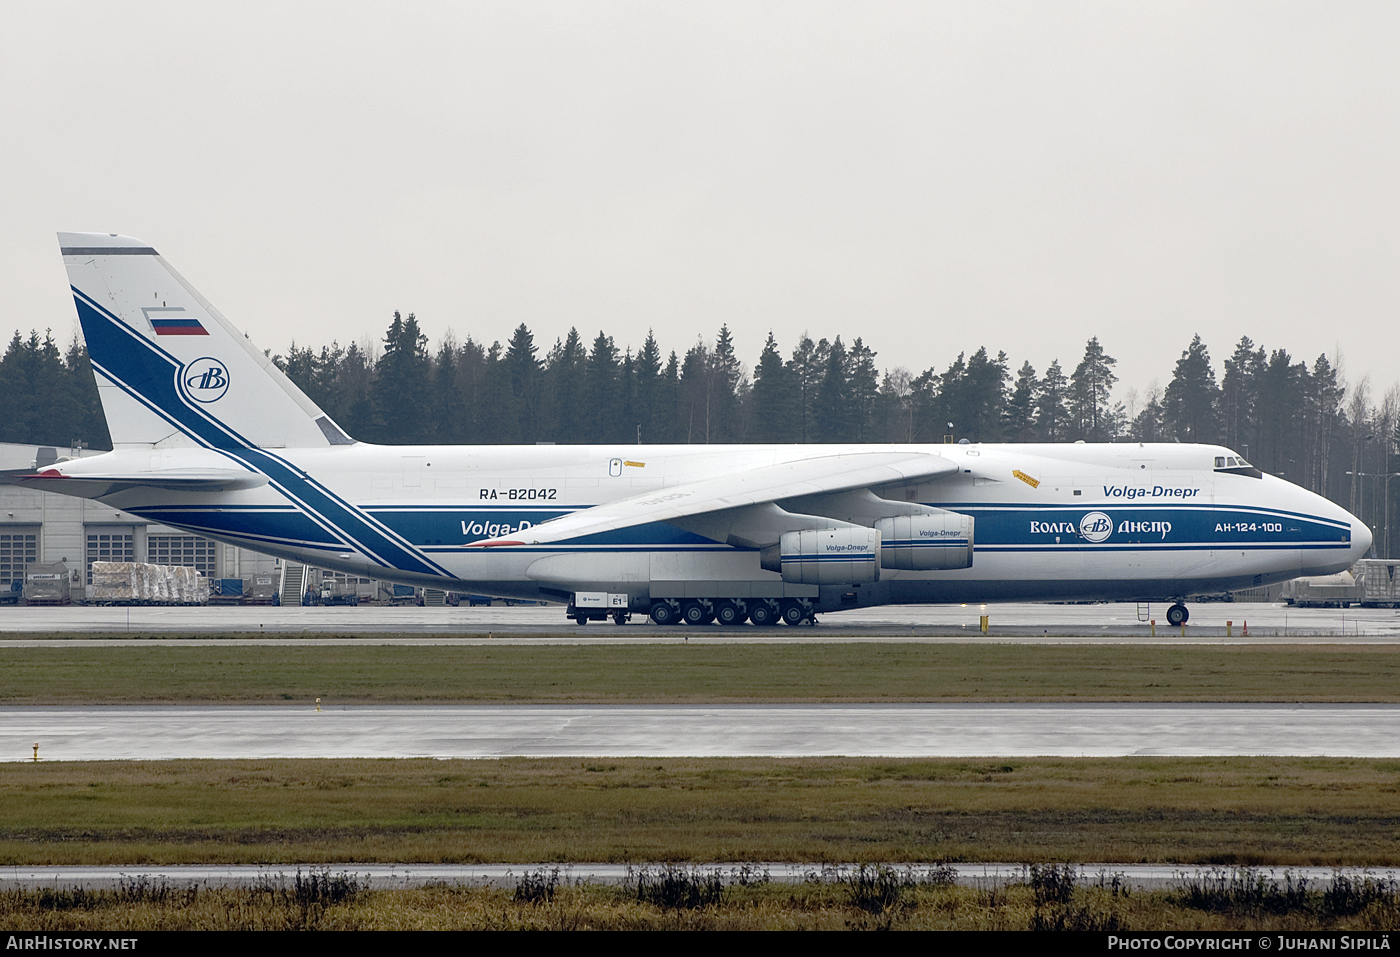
<point>1052,898</point>
<point>699,672</point>
<point>1233,811</point>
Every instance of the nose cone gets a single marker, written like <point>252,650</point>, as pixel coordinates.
<point>1361,538</point>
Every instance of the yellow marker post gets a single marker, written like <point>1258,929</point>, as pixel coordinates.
<point>36,750</point>
<point>1229,629</point>
<point>1154,627</point>
<point>986,626</point>
<point>318,704</point>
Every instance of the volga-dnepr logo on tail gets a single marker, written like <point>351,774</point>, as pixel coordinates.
<point>206,379</point>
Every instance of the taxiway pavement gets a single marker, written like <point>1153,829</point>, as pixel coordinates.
<point>1020,622</point>
<point>498,731</point>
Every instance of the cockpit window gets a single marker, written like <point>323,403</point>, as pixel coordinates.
<point>1236,465</point>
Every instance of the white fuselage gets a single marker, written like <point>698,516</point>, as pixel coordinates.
<point>213,438</point>
<point>1052,522</point>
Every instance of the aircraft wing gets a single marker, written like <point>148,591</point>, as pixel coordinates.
<point>762,486</point>
<point>95,486</point>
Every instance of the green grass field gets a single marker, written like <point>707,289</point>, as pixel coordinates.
<point>1230,811</point>
<point>697,672</point>
<point>1155,810</point>
<point>883,898</point>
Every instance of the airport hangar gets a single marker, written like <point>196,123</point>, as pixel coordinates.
<point>40,527</point>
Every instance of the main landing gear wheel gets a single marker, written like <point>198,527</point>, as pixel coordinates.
<point>762,613</point>
<point>696,613</point>
<point>729,612</point>
<point>664,613</point>
<point>1178,615</point>
<point>793,612</point>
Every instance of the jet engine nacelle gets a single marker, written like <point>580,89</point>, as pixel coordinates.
<point>926,542</point>
<point>830,556</point>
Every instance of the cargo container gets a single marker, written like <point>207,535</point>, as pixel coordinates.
<point>46,583</point>
<point>227,591</point>
<point>1380,582</point>
<point>261,590</point>
<point>141,583</point>
<point>1326,591</point>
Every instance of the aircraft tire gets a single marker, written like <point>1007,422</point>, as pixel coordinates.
<point>664,613</point>
<point>792,612</point>
<point>1178,614</point>
<point>762,613</point>
<point>730,612</point>
<point>695,613</point>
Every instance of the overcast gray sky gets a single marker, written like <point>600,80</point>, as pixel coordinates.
<point>930,176</point>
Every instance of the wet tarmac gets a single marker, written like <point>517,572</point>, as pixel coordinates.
<point>499,731</point>
<point>535,624</point>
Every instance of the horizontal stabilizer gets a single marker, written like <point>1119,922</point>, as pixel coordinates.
<point>95,486</point>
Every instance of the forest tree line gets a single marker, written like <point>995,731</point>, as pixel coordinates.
<point>1289,417</point>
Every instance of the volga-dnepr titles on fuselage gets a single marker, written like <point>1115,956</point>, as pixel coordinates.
<point>211,437</point>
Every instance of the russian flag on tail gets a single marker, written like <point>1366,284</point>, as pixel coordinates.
<point>183,326</point>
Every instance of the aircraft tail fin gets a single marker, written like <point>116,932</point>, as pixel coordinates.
<point>170,369</point>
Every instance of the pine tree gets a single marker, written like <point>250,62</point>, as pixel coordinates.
<point>500,425</point>
<point>402,376</point>
<point>1278,411</point>
<point>602,394</point>
<point>1239,395</point>
<point>723,384</point>
<point>832,419</point>
<point>984,394</point>
<point>805,371</point>
<point>1052,417</point>
<point>864,387</point>
<point>565,369</point>
<point>472,383</point>
<point>1190,404</point>
<point>649,389</point>
<point>1020,407</point>
<point>91,425</point>
<point>355,383</point>
<point>1323,405</point>
<point>694,394</point>
<point>449,410</point>
<point>1091,387</point>
<point>523,372</point>
<point>668,408</point>
<point>772,398</point>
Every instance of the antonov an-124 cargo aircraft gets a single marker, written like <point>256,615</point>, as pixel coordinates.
<point>211,437</point>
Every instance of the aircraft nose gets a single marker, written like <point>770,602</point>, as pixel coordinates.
<point>1361,539</point>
